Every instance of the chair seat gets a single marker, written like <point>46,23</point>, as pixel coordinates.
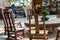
<point>19,29</point>
<point>28,28</point>
<point>40,32</point>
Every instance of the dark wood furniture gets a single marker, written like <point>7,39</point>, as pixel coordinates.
<point>58,31</point>
<point>11,28</point>
<point>1,11</point>
<point>1,14</point>
<point>51,6</point>
<point>37,33</point>
<point>5,25</point>
<point>50,24</point>
<point>58,11</point>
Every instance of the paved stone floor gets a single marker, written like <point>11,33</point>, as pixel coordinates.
<point>51,36</point>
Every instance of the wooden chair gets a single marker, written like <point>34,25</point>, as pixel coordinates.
<point>58,16</point>
<point>5,25</point>
<point>3,18</point>
<point>58,31</point>
<point>13,31</point>
<point>37,33</point>
<point>1,14</point>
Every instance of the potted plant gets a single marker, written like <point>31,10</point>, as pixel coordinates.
<point>45,12</point>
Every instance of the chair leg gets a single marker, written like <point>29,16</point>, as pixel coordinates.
<point>23,34</point>
<point>5,32</point>
<point>30,37</point>
<point>8,34</point>
<point>57,35</point>
<point>15,36</point>
<point>45,38</point>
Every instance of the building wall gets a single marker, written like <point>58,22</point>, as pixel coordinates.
<point>1,3</point>
<point>4,3</point>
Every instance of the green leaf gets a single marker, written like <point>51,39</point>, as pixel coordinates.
<point>45,12</point>
<point>43,3</point>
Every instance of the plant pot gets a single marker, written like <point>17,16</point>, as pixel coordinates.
<point>46,19</point>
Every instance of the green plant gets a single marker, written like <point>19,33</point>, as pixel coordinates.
<point>43,3</point>
<point>45,12</point>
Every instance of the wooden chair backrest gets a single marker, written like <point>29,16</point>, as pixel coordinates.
<point>1,17</point>
<point>9,21</point>
<point>37,24</point>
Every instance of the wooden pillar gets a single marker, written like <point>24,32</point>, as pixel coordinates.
<point>51,5</point>
<point>33,4</point>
